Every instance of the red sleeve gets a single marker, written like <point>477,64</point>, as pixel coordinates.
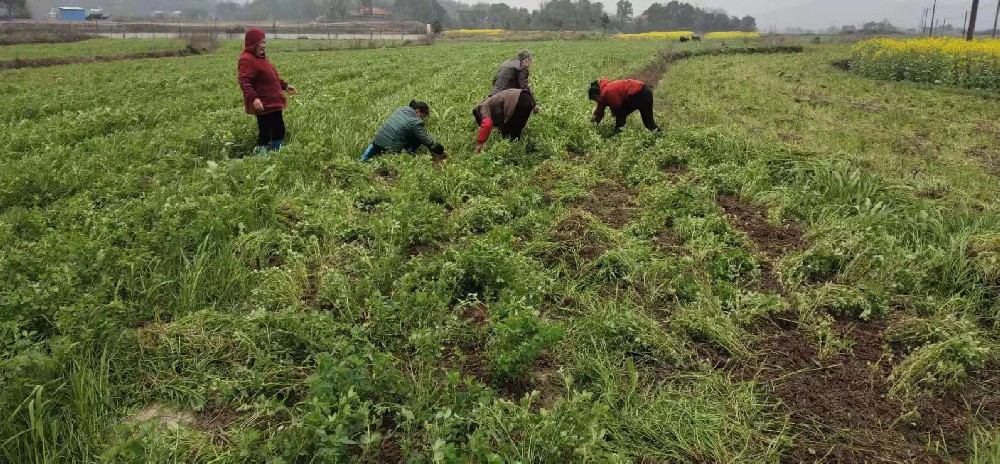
<point>244,74</point>
<point>484,130</point>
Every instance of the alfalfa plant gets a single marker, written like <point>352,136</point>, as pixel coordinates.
<point>519,336</point>
<point>568,431</point>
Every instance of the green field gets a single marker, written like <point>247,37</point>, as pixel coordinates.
<point>88,48</point>
<point>803,266</point>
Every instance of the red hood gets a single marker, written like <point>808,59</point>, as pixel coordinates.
<point>254,36</point>
<point>602,82</point>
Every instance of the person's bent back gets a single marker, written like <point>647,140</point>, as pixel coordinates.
<point>513,74</point>
<point>623,97</point>
<point>403,131</point>
<point>508,111</point>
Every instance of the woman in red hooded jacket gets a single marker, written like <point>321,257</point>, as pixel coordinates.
<point>262,92</point>
<point>624,97</point>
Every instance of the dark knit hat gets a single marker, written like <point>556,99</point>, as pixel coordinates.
<point>594,92</point>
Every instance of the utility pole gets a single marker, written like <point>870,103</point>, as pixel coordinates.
<point>965,22</point>
<point>995,18</point>
<point>933,14</point>
<point>971,33</point>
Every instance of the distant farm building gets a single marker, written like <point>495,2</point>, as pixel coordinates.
<point>71,13</point>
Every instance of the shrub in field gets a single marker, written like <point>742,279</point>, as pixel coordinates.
<point>672,35</point>
<point>732,35</point>
<point>519,337</point>
<point>974,64</point>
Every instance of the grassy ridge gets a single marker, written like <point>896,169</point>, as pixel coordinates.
<point>88,48</point>
<point>571,297</point>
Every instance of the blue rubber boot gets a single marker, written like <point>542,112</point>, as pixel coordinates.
<point>277,144</point>
<point>368,154</point>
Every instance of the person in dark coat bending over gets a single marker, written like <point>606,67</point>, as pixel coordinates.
<point>508,111</point>
<point>262,92</point>
<point>403,131</point>
<point>514,75</point>
<point>624,97</point>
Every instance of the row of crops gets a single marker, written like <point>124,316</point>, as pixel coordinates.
<point>973,64</point>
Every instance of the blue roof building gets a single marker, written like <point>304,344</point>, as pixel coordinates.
<point>70,13</point>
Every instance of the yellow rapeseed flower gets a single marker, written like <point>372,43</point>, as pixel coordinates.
<point>974,64</point>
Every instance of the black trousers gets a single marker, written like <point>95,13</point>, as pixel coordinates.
<point>515,125</point>
<point>270,127</point>
<point>641,102</point>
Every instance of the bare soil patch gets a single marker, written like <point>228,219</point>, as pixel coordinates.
<point>542,377</point>
<point>478,314</point>
<point>770,240</point>
<point>840,406</point>
<point>215,418</point>
<point>420,249</point>
<point>988,156</point>
<point>669,243</point>
<point>574,232</point>
<point>390,451</point>
<point>653,72</point>
<point>614,204</point>
<point>773,241</point>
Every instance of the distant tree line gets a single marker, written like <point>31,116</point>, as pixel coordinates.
<point>679,16</point>
<point>10,9</point>
<point>552,15</point>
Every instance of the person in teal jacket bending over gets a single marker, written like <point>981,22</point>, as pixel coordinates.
<point>403,131</point>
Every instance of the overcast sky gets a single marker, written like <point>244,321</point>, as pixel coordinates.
<point>824,13</point>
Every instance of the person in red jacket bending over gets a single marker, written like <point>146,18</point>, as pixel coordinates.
<point>262,92</point>
<point>624,97</point>
<point>508,111</point>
